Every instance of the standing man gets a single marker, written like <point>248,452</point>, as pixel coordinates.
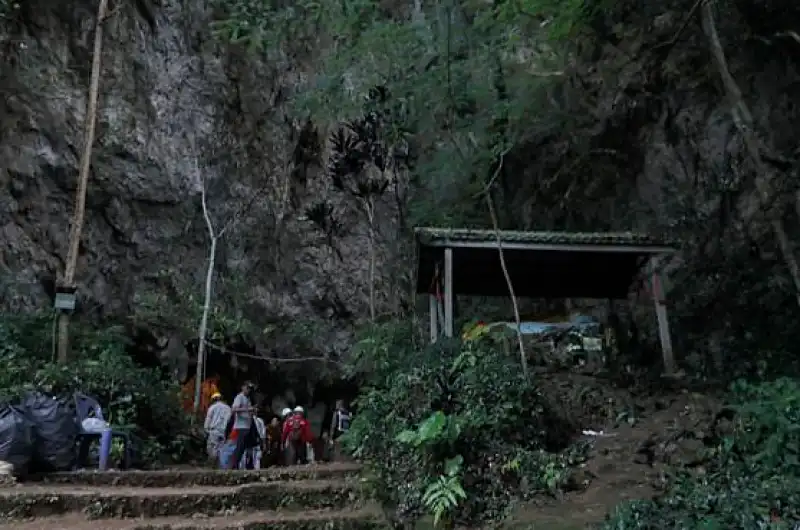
<point>339,425</point>
<point>242,411</point>
<point>216,420</point>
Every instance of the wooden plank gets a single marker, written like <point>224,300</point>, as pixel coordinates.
<point>663,318</point>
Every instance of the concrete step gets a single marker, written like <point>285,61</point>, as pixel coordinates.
<point>368,518</point>
<point>199,477</point>
<point>102,502</point>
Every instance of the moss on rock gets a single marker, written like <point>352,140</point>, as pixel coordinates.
<point>334,521</point>
<point>200,477</point>
<point>26,502</point>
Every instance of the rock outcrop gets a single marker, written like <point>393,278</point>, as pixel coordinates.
<point>176,113</point>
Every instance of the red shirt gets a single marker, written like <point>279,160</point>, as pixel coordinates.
<point>305,429</point>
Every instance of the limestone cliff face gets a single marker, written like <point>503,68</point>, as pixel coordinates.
<point>175,111</point>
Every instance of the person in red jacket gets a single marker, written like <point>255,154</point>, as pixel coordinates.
<point>296,436</point>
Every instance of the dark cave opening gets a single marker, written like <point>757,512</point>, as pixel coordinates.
<point>236,360</point>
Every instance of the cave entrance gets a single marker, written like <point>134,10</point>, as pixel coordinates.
<point>547,265</point>
<point>314,384</point>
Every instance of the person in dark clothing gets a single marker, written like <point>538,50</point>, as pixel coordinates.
<point>339,425</point>
<point>273,444</point>
<point>251,443</point>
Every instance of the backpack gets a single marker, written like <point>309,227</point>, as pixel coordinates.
<point>229,426</point>
<point>253,437</point>
<point>295,429</point>
<point>342,420</point>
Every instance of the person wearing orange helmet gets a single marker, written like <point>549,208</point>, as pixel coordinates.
<point>216,420</point>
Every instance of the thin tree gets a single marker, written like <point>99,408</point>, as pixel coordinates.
<point>487,194</point>
<point>76,229</point>
<point>215,235</point>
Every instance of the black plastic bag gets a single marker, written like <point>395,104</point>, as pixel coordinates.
<point>55,432</point>
<point>16,438</point>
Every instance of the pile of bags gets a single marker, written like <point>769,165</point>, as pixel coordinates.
<point>39,434</point>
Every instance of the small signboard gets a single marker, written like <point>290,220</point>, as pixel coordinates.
<point>65,302</point>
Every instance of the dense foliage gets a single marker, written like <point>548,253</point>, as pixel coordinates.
<point>574,107</point>
<point>451,430</point>
<point>465,79</point>
<point>753,478</point>
<point>134,399</point>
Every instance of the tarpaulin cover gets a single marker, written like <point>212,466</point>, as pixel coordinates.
<point>16,438</point>
<point>55,431</point>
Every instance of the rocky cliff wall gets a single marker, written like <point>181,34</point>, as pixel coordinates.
<point>654,147</point>
<point>176,111</point>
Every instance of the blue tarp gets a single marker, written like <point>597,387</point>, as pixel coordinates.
<point>580,322</point>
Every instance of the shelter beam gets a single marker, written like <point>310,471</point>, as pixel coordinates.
<point>556,247</point>
<point>448,292</point>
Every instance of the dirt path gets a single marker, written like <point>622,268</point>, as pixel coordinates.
<point>642,436</point>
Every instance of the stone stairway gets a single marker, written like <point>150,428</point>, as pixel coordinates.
<point>315,497</point>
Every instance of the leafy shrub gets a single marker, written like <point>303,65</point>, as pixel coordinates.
<point>450,429</point>
<point>134,398</point>
<point>752,479</point>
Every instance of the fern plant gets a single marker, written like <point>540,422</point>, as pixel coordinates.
<point>444,494</point>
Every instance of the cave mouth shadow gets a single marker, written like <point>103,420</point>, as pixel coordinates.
<point>277,384</point>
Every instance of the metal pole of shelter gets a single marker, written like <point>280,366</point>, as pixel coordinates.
<point>433,309</point>
<point>448,292</point>
<point>657,290</point>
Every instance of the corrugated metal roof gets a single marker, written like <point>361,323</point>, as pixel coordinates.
<point>428,235</point>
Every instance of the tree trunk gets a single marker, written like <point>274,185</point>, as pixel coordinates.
<point>83,181</point>
<point>523,357</point>
<point>203,330</point>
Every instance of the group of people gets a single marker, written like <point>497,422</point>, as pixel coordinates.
<point>239,439</point>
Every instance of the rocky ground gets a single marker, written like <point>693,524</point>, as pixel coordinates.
<point>642,435</point>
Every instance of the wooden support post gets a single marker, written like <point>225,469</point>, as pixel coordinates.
<point>433,309</point>
<point>448,292</point>
<point>657,291</point>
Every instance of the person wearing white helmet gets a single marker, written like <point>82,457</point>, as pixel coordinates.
<point>296,437</point>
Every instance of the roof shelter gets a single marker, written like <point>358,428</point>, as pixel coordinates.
<point>540,265</point>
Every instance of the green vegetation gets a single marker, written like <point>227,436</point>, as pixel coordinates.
<point>753,479</point>
<point>460,82</point>
<point>456,96</point>
<point>436,422</point>
<point>450,101</point>
<point>135,399</point>
<point>453,432</point>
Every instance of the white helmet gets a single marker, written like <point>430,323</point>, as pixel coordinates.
<point>299,409</point>
<point>285,412</point>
